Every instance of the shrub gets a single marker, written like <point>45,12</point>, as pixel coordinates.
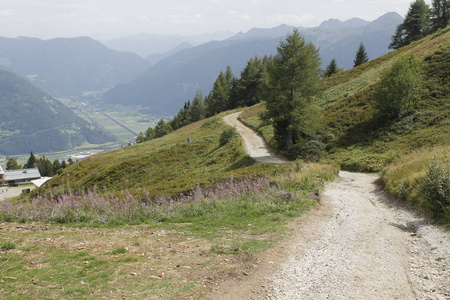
<point>436,188</point>
<point>399,87</point>
<point>227,135</point>
<point>310,150</point>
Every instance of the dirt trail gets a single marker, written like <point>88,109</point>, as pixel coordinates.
<point>254,144</point>
<point>358,245</point>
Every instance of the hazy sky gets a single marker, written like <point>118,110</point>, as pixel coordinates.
<point>108,18</point>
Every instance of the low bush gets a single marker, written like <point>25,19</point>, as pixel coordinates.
<point>227,135</point>
<point>436,188</point>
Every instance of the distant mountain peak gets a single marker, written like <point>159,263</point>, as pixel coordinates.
<point>338,24</point>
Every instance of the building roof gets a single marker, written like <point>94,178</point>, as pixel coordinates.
<point>40,182</point>
<point>1,170</point>
<point>22,174</point>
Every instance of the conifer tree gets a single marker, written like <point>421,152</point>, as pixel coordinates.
<point>56,166</point>
<point>415,26</point>
<point>32,161</point>
<point>440,14</point>
<point>293,86</point>
<point>12,164</point>
<point>361,56</point>
<point>219,98</point>
<point>331,69</point>
<point>197,108</point>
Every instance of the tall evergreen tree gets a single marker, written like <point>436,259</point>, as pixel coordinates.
<point>248,88</point>
<point>197,108</point>
<point>294,83</point>
<point>361,56</point>
<point>162,128</point>
<point>440,14</point>
<point>219,98</point>
<point>32,161</point>
<point>331,69</point>
<point>56,166</point>
<point>415,26</point>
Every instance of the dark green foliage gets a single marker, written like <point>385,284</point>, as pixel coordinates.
<point>12,164</point>
<point>56,166</point>
<point>248,90</point>
<point>331,69</point>
<point>415,26</point>
<point>162,128</point>
<point>45,167</point>
<point>310,150</point>
<point>197,112</point>
<point>361,56</point>
<point>293,86</point>
<point>32,161</point>
<point>399,87</point>
<point>436,188</point>
<point>440,14</point>
<point>227,135</point>
<point>219,98</point>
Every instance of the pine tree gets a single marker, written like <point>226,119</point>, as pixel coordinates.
<point>415,26</point>
<point>440,14</point>
<point>63,164</point>
<point>162,128</point>
<point>197,108</point>
<point>219,98</point>
<point>56,166</point>
<point>361,56</point>
<point>294,84</point>
<point>331,69</point>
<point>12,164</point>
<point>32,161</point>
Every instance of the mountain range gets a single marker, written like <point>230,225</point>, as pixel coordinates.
<point>165,86</point>
<point>164,81</point>
<point>31,120</point>
<point>68,66</point>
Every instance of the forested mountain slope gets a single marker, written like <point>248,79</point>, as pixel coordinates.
<point>31,120</point>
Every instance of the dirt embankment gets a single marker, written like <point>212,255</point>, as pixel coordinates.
<point>358,245</point>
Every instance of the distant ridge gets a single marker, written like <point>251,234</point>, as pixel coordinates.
<point>174,80</point>
<point>31,120</point>
<point>68,66</point>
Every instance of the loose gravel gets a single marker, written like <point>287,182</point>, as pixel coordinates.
<point>366,248</point>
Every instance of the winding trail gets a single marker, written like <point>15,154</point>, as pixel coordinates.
<point>255,145</point>
<point>358,244</point>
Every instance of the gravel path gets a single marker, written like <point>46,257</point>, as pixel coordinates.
<point>254,144</point>
<point>365,248</point>
<point>359,244</point>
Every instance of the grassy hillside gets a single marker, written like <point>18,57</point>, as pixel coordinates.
<point>170,165</point>
<point>139,237</point>
<point>364,141</point>
<point>360,139</point>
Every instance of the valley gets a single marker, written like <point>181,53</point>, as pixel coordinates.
<point>291,178</point>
